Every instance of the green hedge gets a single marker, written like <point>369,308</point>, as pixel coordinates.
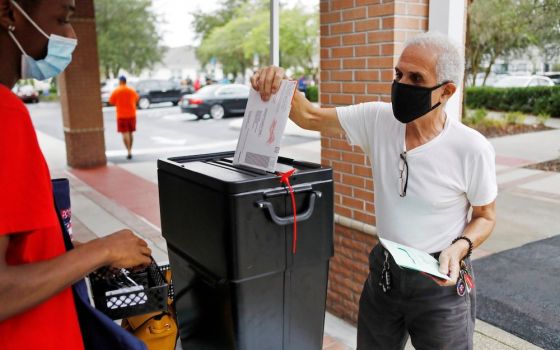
<point>531,100</point>
<point>312,93</point>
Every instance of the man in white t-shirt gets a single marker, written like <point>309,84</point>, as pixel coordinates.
<point>429,171</point>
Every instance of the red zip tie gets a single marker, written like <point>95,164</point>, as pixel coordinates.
<point>285,179</point>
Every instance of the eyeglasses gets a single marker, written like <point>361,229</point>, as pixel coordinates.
<point>403,174</point>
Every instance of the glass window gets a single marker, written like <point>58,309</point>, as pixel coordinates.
<point>241,90</point>
<point>208,90</point>
<point>535,82</point>
<point>166,85</point>
<point>150,85</point>
<point>512,82</point>
<point>226,91</point>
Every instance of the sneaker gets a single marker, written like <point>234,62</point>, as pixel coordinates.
<point>129,156</point>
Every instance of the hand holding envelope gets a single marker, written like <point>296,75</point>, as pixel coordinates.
<point>264,123</point>
<point>414,259</point>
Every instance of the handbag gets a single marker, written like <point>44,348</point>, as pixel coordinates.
<point>98,330</point>
<point>158,330</point>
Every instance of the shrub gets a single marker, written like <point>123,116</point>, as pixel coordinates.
<point>514,118</point>
<point>492,123</point>
<point>532,100</point>
<point>312,93</point>
<point>478,116</point>
<point>542,118</point>
<point>475,117</point>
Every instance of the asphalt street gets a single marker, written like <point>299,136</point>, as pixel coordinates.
<point>162,131</point>
<point>518,291</point>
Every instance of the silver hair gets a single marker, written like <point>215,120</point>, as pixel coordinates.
<point>450,62</point>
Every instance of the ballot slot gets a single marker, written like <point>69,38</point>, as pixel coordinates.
<point>283,165</point>
<point>241,168</point>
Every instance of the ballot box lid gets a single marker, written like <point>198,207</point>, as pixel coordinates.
<point>216,170</point>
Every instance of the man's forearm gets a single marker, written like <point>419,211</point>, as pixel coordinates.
<point>301,111</point>
<point>478,230</point>
<point>25,286</point>
<point>480,227</point>
<point>310,117</point>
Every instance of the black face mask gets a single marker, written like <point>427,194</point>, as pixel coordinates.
<point>410,102</point>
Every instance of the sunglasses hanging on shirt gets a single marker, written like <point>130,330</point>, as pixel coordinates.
<point>403,174</point>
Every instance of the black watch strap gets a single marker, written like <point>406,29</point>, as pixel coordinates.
<point>468,241</point>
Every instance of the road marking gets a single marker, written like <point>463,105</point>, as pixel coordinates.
<point>144,151</point>
<point>180,117</point>
<point>167,141</point>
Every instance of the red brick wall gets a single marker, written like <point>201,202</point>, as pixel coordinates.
<point>348,271</point>
<point>360,44</point>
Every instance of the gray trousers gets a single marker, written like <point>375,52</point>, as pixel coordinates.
<point>435,317</point>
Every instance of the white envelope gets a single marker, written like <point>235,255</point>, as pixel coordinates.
<point>263,127</point>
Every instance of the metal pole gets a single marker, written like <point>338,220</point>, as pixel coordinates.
<point>274,32</point>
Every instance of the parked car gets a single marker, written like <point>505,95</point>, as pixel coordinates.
<point>27,93</point>
<point>107,88</point>
<point>524,81</point>
<point>490,80</point>
<point>217,100</point>
<point>159,91</point>
<point>555,76</point>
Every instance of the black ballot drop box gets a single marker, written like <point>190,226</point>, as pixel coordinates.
<point>229,231</point>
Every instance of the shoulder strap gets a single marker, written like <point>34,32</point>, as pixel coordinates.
<point>61,188</point>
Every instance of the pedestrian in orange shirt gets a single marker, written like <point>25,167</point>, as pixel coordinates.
<point>125,99</point>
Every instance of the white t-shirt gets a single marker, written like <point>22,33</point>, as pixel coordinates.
<point>447,175</point>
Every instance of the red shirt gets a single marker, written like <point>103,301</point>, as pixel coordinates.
<point>27,214</point>
<point>124,98</point>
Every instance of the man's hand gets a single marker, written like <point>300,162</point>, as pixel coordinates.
<point>267,81</point>
<point>477,230</point>
<point>450,262</point>
<point>123,249</point>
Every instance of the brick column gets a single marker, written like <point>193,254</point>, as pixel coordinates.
<point>80,95</point>
<point>360,44</point>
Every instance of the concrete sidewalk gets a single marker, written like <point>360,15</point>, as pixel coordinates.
<point>108,199</point>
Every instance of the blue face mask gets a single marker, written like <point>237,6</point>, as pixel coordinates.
<point>59,54</point>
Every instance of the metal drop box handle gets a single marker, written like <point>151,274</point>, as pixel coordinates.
<point>288,220</point>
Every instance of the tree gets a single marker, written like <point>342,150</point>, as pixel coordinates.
<point>544,21</point>
<point>247,33</point>
<point>497,28</point>
<point>204,23</point>
<point>225,44</point>
<point>126,36</point>
<point>299,33</point>
<point>500,28</point>
<point>299,38</point>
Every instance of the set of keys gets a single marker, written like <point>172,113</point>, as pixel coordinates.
<point>386,275</point>
<point>465,282</point>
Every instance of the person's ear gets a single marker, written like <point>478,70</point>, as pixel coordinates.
<point>7,20</point>
<point>448,91</point>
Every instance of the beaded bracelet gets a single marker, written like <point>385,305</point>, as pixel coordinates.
<point>468,241</point>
